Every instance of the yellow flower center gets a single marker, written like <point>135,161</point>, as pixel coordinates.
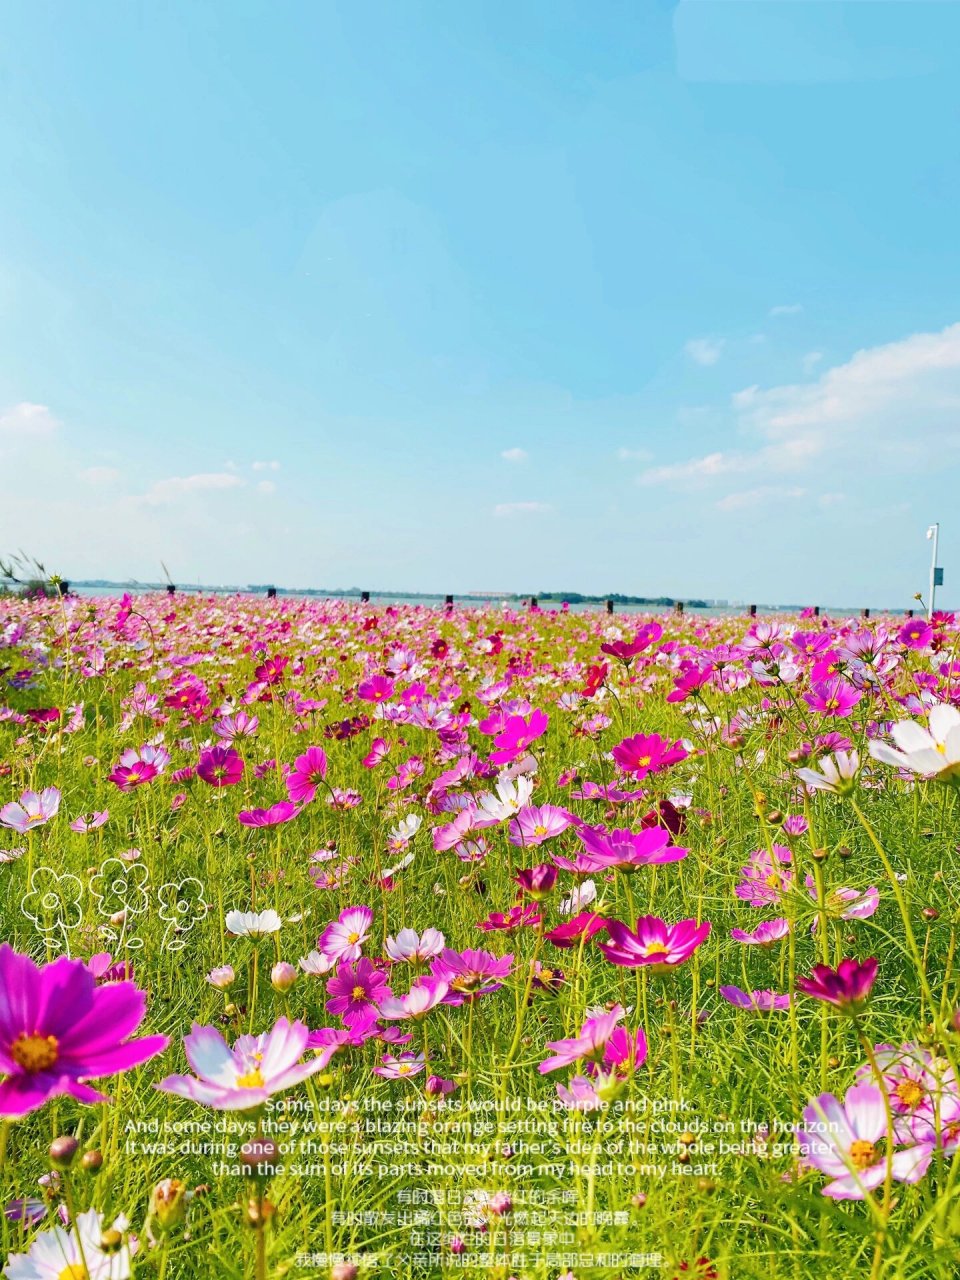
<point>862,1154</point>
<point>655,949</point>
<point>540,831</point>
<point>643,761</point>
<point>74,1271</point>
<point>34,1053</point>
<point>403,1069</point>
<point>773,880</point>
<point>251,1079</point>
<point>941,747</point>
<point>358,993</point>
<point>353,937</point>
<point>910,1093</point>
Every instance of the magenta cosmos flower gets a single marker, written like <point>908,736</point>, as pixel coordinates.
<point>220,766</point>
<point>626,850</point>
<point>470,973</point>
<point>647,753</point>
<point>249,1074</point>
<point>355,988</point>
<point>517,735</point>
<point>59,1029</point>
<point>536,882</point>
<point>344,937</point>
<point>627,650</point>
<point>309,770</point>
<point>841,1140</point>
<point>127,777</point>
<point>33,810</point>
<point>832,697</point>
<point>376,689</point>
<point>764,935</point>
<point>655,943</point>
<point>765,1001</point>
<point>848,986</point>
<point>580,929</point>
<point>601,1042</point>
<point>282,811</point>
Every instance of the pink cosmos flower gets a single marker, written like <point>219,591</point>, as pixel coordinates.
<point>220,766</point>
<point>249,1074</point>
<point>841,1140</point>
<point>401,1068</point>
<point>519,917</point>
<point>343,938</point>
<point>33,810</point>
<point>309,770</point>
<point>655,943</point>
<point>90,821</point>
<point>535,823</point>
<point>128,777</point>
<point>916,634</point>
<point>844,903</point>
<point>355,988</point>
<point>572,932</point>
<point>832,697</point>
<point>623,850</point>
<point>766,879</point>
<point>282,811</point>
<point>517,735</point>
<point>765,934</point>
<point>848,986</point>
<point>379,750</point>
<point>760,1001</point>
<point>59,1029</point>
<point>105,969</point>
<point>580,1095</point>
<point>627,650</point>
<point>590,1043</point>
<point>240,725</point>
<point>417,1003</point>
<point>647,753</point>
<point>376,689</point>
<point>470,974</point>
<point>415,948</point>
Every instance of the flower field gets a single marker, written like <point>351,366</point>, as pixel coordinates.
<point>342,940</point>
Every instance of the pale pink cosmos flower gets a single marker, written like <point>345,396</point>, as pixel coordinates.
<point>415,948</point>
<point>90,821</point>
<point>423,996</point>
<point>33,810</point>
<point>343,938</point>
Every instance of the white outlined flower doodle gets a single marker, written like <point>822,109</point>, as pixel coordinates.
<point>52,902</point>
<point>181,906</point>
<point>120,890</point>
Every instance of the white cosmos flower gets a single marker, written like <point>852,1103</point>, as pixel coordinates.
<point>511,796</point>
<point>581,896</point>
<point>317,964</point>
<point>59,1253</point>
<point>837,773</point>
<point>405,830</point>
<point>933,752</point>
<point>253,924</point>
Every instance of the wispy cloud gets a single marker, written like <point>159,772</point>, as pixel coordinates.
<point>520,508</point>
<point>27,420</point>
<point>634,455</point>
<point>811,360</point>
<point>704,350</point>
<point>177,487</point>
<point>515,455</point>
<point>265,466</point>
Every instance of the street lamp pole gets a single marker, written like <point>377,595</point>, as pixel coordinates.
<point>934,533</point>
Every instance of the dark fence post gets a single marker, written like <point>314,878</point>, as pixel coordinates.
<point>678,606</point>
<point>533,602</point>
<point>171,589</point>
<point>864,613</point>
<point>753,611</point>
<point>816,611</point>
<point>448,604</point>
<point>609,606</point>
<point>271,593</point>
<point>364,597</point>
<point>909,613</point>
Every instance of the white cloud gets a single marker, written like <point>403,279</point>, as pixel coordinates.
<point>634,455</point>
<point>787,309</point>
<point>265,466</point>
<point>177,487</point>
<point>520,508</point>
<point>99,475</point>
<point>27,420</point>
<point>899,401</point>
<point>515,455</point>
<point>704,350</point>
<point>266,486</point>
<point>811,360</point>
<point>762,495</point>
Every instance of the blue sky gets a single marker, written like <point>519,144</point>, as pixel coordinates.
<point>654,298</point>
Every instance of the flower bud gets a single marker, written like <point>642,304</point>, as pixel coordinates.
<point>639,1200</point>
<point>91,1161</point>
<point>221,978</point>
<point>168,1203</point>
<point>282,976</point>
<point>111,1240</point>
<point>344,1271</point>
<point>62,1151</point>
